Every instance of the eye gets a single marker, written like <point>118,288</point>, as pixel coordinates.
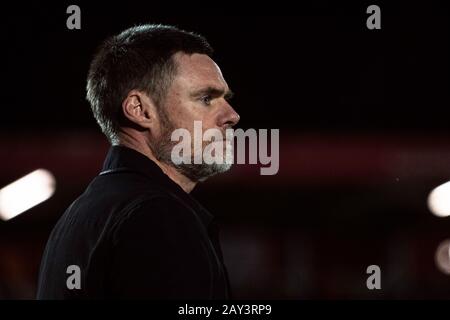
<point>206,100</point>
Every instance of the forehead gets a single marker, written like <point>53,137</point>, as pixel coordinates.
<point>198,70</point>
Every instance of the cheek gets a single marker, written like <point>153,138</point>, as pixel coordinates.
<point>210,121</point>
<point>181,114</point>
<point>193,113</point>
<point>210,118</point>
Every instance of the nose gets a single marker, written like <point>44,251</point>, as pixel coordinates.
<point>229,118</point>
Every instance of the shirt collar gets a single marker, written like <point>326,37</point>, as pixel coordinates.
<point>123,158</point>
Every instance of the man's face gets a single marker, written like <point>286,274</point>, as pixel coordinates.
<point>198,93</point>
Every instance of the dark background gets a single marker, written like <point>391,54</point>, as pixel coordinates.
<point>364,137</point>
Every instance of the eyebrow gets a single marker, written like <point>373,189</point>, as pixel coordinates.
<point>214,92</point>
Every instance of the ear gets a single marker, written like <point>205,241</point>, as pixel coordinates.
<point>139,108</point>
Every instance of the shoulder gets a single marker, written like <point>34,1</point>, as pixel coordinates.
<point>155,215</point>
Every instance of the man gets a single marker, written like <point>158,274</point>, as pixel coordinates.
<point>136,232</point>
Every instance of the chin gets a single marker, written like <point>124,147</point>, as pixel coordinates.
<point>214,169</point>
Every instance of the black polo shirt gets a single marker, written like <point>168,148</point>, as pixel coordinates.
<point>134,233</point>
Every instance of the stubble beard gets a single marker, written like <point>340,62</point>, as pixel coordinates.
<point>162,150</point>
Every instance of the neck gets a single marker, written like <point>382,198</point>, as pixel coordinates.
<point>184,182</point>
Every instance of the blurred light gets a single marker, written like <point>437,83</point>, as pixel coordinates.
<point>439,200</point>
<point>442,257</point>
<point>26,193</point>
